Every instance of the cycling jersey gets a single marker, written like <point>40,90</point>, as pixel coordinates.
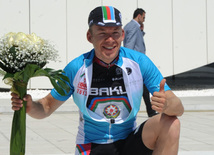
<point>108,112</point>
<point>110,104</point>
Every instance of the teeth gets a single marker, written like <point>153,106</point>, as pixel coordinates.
<point>109,48</point>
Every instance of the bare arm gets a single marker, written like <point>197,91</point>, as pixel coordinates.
<point>166,102</point>
<point>174,105</point>
<point>37,109</point>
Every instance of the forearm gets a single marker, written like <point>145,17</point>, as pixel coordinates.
<point>174,106</point>
<point>44,107</point>
<point>38,110</point>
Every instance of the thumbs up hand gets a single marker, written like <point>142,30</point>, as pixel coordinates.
<point>158,100</point>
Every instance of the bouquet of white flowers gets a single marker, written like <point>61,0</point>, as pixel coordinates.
<point>23,56</point>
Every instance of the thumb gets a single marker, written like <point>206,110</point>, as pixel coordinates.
<point>162,83</point>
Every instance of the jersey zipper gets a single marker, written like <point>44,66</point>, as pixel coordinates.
<point>112,121</point>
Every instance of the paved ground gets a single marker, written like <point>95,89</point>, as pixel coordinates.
<point>56,134</point>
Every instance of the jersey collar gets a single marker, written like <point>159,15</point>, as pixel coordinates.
<point>102,63</point>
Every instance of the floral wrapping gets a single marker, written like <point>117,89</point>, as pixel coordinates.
<point>22,57</point>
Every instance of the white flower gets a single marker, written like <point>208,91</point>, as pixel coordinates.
<point>19,49</point>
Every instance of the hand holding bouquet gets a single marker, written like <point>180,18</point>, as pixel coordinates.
<point>23,56</point>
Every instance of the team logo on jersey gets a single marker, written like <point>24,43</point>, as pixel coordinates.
<point>117,79</point>
<point>82,87</point>
<point>82,75</point>
<point>111,111</point>
<point>118,71</point>
<point>117,90</point>
<point>129,70</point>
<point>110,101</point>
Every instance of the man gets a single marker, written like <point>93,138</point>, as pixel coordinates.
<point>106,84</point>
<point>134,40</point>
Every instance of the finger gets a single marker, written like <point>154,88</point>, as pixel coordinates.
<point>162,84</point>
<point>16,106</point>
<point>158,109</point>
<point>157,104</point>
<point>158,98</point>
<point>27,97</point>
<point>16,102</point>
<point>15,99</point>
<point>14,95</point>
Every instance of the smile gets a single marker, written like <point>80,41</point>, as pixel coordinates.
<point>109,48</point>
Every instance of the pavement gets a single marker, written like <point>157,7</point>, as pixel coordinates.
<point>56,134</point>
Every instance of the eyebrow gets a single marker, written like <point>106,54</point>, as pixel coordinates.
<point>100,29</point>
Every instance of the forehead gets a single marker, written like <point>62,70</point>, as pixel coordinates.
<point>106,28</point>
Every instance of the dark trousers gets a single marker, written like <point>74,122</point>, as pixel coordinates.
<point>146,97</point>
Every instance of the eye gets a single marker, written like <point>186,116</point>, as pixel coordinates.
<point>102,34</point>
<point>116,35</point>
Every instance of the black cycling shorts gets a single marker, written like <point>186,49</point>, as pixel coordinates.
<point>132,145</point>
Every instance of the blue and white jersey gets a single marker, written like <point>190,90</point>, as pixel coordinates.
<point>96,125</point>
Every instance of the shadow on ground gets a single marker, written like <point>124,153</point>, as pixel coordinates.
<point>200,78</point>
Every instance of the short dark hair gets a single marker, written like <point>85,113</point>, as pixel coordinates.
<point>137,12</point>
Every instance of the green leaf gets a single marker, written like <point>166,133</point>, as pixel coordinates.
<point>65,78</point>
<point>56,86</point>
<point>40,72</point>
<point>57,79</point>
<point>26,73</point>
<point>63,85</point>
<point>29,71</point>
<point>8,75</point>
<point>18,131</point>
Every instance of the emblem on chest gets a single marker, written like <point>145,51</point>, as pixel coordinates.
<point>111,111</point>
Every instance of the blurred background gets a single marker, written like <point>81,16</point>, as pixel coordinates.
<point>179,33</point>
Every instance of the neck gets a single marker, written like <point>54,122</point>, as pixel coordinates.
<point>104,64</point>
<point>136,19</point>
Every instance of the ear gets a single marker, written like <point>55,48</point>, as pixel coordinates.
<point>139,16</point>
<point>89,36</point>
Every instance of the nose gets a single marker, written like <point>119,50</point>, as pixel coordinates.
<point>109,37</point>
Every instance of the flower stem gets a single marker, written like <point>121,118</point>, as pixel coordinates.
<point>18,132</point>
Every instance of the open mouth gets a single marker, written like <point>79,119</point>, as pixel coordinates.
<point>109,48</point>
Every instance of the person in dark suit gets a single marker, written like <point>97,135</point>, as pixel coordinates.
<point>134,40</point>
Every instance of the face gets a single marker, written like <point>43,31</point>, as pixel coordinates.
<point>141,18</point>
<point>106,41</point>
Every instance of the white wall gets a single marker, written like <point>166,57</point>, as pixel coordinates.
<point>48,19</point>
<point>14,16</point>
<point>210,30</point>
<point>190,36</point>
<point>179,33</point>
<point>158,37</point>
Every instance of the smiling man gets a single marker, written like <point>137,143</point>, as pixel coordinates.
<point>107,85</point>
<point>106,40</point>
